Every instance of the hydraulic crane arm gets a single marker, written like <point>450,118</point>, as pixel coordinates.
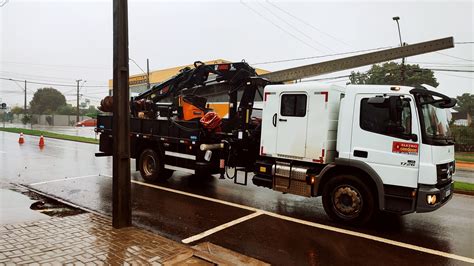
<point>358,60</point>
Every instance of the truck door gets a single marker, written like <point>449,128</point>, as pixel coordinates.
<point>291,124</point>
<point>389,147</point>
<point>269,124</point>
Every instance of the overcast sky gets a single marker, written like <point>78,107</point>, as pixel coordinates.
<point>62,41</point>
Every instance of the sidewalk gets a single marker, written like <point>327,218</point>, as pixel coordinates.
<point>89,239</point>
<point>31,237</point>
<point>85,238</point>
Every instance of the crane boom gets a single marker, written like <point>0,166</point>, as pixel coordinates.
<point>358,60</point>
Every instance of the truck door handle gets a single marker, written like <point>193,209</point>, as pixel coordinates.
<point>362,154</point>
<point>274,120</point>
<point>282,120</point>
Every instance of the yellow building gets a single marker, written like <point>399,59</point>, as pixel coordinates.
<point>138,83</point>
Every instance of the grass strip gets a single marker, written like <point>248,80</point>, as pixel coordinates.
<point>463,186</point>
<point>49,134</point>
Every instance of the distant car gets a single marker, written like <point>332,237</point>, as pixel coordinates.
<point>87,123</point>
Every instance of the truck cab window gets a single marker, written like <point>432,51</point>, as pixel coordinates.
<point>376,118</point>
<point>293,105</point>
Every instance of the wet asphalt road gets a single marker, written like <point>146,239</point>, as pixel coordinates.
<point>271,239</point>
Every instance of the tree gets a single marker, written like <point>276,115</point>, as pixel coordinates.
<point>390,74</point>
<point>91,112</point>
<point>47,101</point>
<point>465,103</point>
<point>17,110</point>
<point>66,109</point>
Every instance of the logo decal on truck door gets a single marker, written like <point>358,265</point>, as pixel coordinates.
<point>408,163</point>
<point>405,148</point>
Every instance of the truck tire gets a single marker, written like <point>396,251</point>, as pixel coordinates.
<point>348,200</point>
<point>151,166</point>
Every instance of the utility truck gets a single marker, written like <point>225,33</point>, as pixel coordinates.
<point>363,148</point>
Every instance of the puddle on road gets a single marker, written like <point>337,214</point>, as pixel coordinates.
<point>45,205</point>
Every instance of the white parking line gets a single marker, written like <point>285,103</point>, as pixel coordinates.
<point>259,212</point>
<point>62,179</point>
<point>196,196</point>
<point>221,227</point>
<point>312,224</point>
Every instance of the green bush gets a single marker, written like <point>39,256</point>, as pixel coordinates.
<point>464,137</point>
<point>26,119</point>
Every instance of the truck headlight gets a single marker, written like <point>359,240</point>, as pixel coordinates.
<point>431,199</point>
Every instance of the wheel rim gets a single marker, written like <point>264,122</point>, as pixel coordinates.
<point>347,201</point>
<point>149,165</point>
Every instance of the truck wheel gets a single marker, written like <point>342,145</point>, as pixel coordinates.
<point>348,200</point>
<point>151,166</point>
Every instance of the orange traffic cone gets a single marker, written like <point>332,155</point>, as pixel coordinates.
<point>21,140</point>
<point>41,142</point>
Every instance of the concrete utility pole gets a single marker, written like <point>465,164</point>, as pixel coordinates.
<point>24,110</point>
<point>147,74</point>
<point>77,108</point>
<point>402,71</point>
<point>121,185</point>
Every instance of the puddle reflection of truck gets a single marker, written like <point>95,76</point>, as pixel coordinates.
<point>363,148</point>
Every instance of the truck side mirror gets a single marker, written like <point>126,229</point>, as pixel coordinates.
<point>448,104</point>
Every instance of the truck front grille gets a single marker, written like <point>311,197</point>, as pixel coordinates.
<point>444,173</point>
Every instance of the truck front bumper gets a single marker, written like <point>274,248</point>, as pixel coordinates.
<point>443,195</point>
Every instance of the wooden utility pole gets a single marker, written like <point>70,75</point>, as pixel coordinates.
<point>121,198</point>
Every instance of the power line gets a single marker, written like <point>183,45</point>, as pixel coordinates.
<point>49,65</point>
<point>463,42</point>
<point>308,24</point>
<point>321,56</point>
<point>279,27</point>
<point>293,27</point>
<point>52,84</point>
<point>40,77</point>
<point>452,56</point>
<point>451,70</point>
<point>443,64</point>
<point>457,76</point>
<point>328,78</point>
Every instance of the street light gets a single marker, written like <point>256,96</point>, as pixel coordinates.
<point>398,25</point>
<point>147,73</point>
<point>77,107</point>
<point>402,71</point>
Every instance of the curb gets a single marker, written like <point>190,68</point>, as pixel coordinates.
<point>464,192</point>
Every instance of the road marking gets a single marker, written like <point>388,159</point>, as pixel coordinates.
<point>259,212</point>
<point>62,179</point>
<point>221,227</point>
<point>195,195</point>
<point>313,224</point>
<point>2,152</point>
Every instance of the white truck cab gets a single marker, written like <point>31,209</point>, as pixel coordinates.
<point>362,147</point>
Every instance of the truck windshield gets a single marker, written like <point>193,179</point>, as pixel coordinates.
<point>436,121</point>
